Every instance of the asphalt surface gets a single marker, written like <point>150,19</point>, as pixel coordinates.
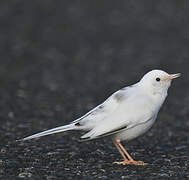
<point>60,59</point>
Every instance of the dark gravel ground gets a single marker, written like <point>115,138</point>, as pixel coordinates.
<point>59,59</point>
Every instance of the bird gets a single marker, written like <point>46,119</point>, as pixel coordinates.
<point>125,115</point>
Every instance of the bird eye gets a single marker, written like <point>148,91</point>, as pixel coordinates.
<point>157,79</point>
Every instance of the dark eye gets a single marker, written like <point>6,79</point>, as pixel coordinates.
<point>157,79</point>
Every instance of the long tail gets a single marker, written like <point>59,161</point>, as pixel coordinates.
<point>51,131</point>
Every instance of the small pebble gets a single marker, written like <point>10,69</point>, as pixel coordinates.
<point>25,175</point>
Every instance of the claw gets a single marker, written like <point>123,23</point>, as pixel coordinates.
<point>137,163</point>
<point>120,163</point>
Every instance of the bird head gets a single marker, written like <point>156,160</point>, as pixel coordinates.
<point>158,81</point>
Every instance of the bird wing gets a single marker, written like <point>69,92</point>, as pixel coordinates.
<point>104,110</point>
<point>92,118</point>
<point>135,111</point>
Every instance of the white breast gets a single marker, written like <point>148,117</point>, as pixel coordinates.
<point>134,132</point>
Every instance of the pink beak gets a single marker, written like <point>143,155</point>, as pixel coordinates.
<point>173,76</point>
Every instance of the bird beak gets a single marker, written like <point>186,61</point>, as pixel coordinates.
<point>172,76</point>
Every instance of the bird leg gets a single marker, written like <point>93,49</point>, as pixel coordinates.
<point>130,160</point>
<point>120,151</point>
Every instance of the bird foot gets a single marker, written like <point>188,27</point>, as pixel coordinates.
<point>137,163</point>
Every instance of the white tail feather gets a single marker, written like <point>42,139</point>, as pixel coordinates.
<point>50,131</point>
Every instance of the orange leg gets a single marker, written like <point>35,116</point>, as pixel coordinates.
<point>120,151</point>
<point>131,160</point>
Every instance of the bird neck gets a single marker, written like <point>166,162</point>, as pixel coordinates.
<point>157,95</point>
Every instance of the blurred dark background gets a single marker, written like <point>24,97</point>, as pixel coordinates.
<point>59,59</point>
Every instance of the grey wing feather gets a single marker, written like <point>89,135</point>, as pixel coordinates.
<point>124,116</point>
<point>88,137</point>
<point>102,111</point>
<point>91,134</point>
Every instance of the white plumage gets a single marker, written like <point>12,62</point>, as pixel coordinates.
<point>125,115</point>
